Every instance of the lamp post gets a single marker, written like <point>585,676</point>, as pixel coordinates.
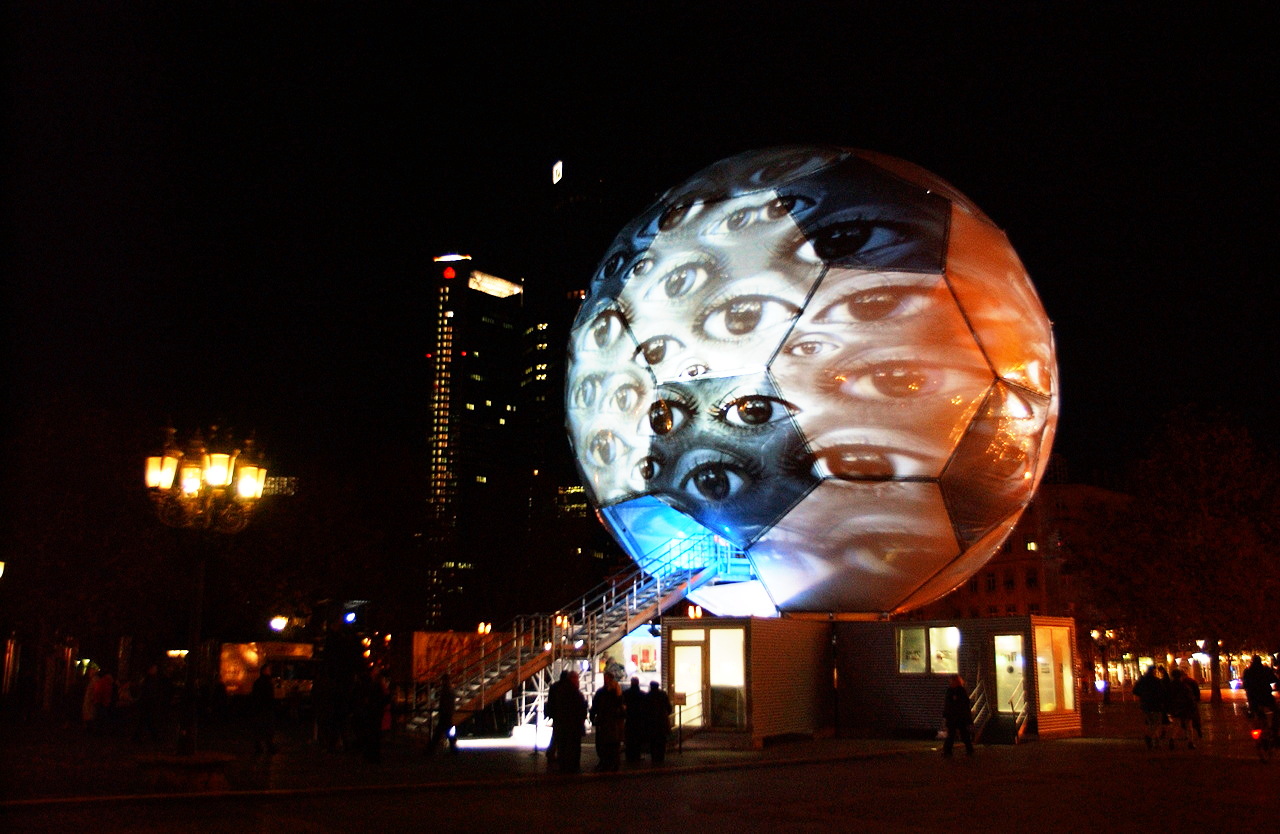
<point>208,492</point>
<point>1103,641</point>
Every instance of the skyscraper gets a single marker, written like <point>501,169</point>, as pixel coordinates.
<point>473,513</point>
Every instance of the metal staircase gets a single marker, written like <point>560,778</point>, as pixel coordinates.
<point>533,647</point>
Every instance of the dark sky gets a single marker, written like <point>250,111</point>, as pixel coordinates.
<point>231,207</point>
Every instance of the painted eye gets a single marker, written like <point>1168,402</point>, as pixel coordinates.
<point>875,304</point>
<point>627,397</point>
<point>755,410</point>
<point>811,346</point>
<point>605,448</point>
<point>666,416</point>
<point>653,351</point>
<point>855,239</point>
<point>642,267</point>
<point>684,279</point>
<point>714,481</point>
<point>585,394</point>
<point>890,380</point>
<point>605,330</point>
<point>746,314</point>
<point>649,468</point>
<point>673,217</point>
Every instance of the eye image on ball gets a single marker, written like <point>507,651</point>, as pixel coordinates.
<point>828,358</point>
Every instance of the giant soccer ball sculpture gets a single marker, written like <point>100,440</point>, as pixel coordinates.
<point>829,360</point>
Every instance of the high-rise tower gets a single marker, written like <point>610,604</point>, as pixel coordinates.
<point>473,514</point>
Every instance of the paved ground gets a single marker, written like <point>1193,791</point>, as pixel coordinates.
<point>57,779</point>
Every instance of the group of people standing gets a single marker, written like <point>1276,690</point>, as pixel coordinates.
<point>635,721</point>
<point>1170,705</point>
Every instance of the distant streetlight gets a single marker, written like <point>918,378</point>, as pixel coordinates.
<point>211,487</point>
<point>279,622</point>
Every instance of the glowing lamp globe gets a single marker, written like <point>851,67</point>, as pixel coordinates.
<point>827,360</point>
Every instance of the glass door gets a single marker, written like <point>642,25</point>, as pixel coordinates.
<point>1010,667</point>
<point>687,679</point>
<point>1053,669</point>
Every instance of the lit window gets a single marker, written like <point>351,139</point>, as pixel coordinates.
<point>471,406</point>
<point>481,479</point>
<point>502,421</point>
<point>1032,546</point>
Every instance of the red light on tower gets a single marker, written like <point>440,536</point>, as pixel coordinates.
<point>449,273</point>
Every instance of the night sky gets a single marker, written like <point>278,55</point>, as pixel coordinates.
<point>226,211</point>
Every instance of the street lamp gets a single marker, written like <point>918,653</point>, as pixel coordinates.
<point>209,492</point>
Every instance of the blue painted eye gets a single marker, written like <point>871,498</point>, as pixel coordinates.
<point>714,481</point>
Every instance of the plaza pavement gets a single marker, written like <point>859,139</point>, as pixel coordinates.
<point>58,778</point>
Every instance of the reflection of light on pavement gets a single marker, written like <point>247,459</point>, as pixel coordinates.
<point>521,738</point>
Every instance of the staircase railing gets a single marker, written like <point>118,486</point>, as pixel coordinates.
<point>1018,704</point>
<point>531,644</point>
<point>979,709</point>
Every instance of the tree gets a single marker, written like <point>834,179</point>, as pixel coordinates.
<point>1188,559</point>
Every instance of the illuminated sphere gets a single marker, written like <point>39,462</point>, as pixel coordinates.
<point>828,358</point>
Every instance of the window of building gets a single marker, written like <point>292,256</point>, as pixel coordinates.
<point>929,650</point>
<point>1011,608</point>
<point>1033,578</point>
<point>973,584</point>
<point>991,583</point>
<point>1009,583</point>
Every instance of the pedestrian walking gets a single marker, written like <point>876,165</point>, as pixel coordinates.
<point>958,715</point>
<point>571,715</point>
<point>552,711</point>
<point>1152,693</point>
<point>608,715</point>
<point>636,728</point>
<point>150,704</point>
<point>262,706</point>
<point>1184,708</point>
<point>446,700</point>
<point>89,703</point>
<point>659,722</point>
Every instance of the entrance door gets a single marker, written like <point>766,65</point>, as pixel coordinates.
<point>1010,668</point>
<point>1053,669</point>
<point>687,678</point>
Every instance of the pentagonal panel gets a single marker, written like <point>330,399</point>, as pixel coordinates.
<point>726,452</point>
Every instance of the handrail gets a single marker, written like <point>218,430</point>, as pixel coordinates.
<point>979,707</point>
<point>590,619</point>
<point>1018,705</point>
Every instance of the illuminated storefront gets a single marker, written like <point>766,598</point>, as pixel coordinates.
<point>764,676</point>
<point>1022,673</point>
